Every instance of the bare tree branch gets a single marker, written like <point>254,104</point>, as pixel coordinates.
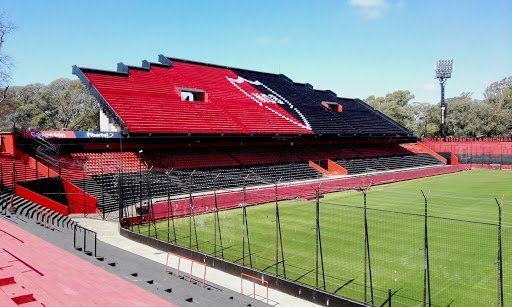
<point>6,27</point>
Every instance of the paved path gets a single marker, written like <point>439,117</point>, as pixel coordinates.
<point>108,232</point>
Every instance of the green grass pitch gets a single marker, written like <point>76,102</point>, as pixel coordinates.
<point>462,238</point>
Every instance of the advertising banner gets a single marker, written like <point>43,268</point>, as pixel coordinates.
<point>56,134</point>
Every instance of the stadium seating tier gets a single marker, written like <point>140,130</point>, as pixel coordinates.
<point>235,102</point>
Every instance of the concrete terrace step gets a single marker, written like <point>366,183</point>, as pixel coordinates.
<point>31,210</point>
<point>56,277</point>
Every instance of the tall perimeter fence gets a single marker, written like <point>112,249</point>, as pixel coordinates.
<point>408,248</point>
<point>476,152</point>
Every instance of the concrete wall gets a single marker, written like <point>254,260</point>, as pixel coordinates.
<point>107,124</point>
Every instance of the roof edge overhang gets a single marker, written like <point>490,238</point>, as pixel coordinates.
<point>80,73</point>
<point>275,136</point>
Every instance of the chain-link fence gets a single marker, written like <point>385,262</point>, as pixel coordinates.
<point>416,250</point>
<point>419,248</point>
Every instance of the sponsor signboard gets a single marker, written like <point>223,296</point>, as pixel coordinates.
<point>56,134</point>
<point>97,135</point>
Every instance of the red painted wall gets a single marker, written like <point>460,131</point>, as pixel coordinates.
<point>336,169</point>
<point>40,200</point>
<point>43,170</point>
<point>499,146</point>
<point>78,200</point>
<point>233,199</point>
<point>7,143</point>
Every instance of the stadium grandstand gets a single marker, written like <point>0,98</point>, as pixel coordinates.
<point>188,132</point>
<point>225,125</point>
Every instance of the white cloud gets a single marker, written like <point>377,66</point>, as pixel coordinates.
<point>428,87</point>
<point>370,9</point>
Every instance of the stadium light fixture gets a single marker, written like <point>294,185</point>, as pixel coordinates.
<point>443,71</point>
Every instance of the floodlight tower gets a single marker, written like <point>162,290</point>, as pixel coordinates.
<point>443,72</point>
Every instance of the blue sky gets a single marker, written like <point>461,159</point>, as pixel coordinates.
<point>354,47</point>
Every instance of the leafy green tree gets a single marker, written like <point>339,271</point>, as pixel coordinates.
<point>498,98</point>
<point>466,116</point>
<point>461,116</point>
<point>499,93</point>
<point>394,105</point>
<point>63,104</point>
<point>424,119</point>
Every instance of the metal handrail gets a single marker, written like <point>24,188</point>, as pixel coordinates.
<point>84,249</point>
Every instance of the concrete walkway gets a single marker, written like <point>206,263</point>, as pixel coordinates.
<point>108,232</point>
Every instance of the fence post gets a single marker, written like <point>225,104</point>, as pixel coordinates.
<point>367,257</point>
<point>37,166</point>
<point>168,208</point>
<point>85,240</point>
<point>279,237</point>
<point>172,212</point>
<point>216,221</point>
<point>146,184</point>
<point>120,197</point>
<point>13,176</point>
<point>141,214</point>
<point>85,188</point>
<point>245,225</point>
<point>427,299</point>
<point>319,252</point>
<point>95,243</point>
<point>74,236</point>
<point>102,192</point>
<point>191,218</point>
<point>151,208</point>
<point>500,259</point>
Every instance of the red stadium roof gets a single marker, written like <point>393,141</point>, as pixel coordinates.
<point>156,98</point>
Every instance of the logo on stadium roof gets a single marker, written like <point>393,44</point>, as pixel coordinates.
<point>273,98</point>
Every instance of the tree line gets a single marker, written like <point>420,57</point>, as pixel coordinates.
<point>66,104</point>
<point>62,104</point>
<point>466,116</point>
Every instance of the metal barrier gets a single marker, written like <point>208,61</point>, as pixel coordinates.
<point>190,273</point>
<point>253,279</point>
<point>43,218</point>
<point>84,247</point>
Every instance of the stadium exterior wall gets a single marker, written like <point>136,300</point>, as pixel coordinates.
<point>471,146</point>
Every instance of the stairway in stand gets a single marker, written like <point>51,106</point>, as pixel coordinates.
<point>14,205</point>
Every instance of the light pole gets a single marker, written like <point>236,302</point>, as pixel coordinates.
<point>443,72</point>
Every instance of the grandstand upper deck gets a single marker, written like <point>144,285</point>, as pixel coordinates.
<point>180,97</point>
